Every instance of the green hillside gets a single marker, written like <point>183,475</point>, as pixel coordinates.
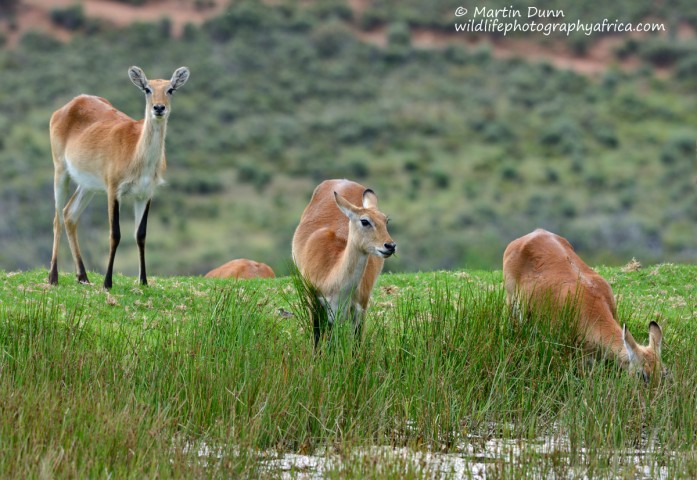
<point>466,151</point>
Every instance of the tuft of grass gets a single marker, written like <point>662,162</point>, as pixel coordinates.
<point>194,377</point>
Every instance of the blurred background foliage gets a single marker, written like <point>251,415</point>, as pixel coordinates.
<point>465,149</point>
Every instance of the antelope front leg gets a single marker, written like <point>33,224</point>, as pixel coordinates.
<point>114,238</point>
<point>357,316</point>
<point>141,211</point>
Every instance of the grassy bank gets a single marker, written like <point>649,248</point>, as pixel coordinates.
<point>198,377</point>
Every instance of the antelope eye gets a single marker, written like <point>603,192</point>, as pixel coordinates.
<point>365,223</point>
<point>170,91</point>
<point>147,90</point>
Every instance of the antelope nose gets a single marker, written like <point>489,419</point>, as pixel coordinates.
<point>159,109</point>
<point>391,247</point>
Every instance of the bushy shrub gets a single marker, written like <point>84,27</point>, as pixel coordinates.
<point>679,148</point>
<point>331,37</point>
<point>457,54</point>
<point>240,17</point>
<point>510,173</point>
<point>580,44</point>
<point>331,9</point>
<point>497,131</point>
<point>198,183</point>
<point>190,32</point>
<point>258,177</point>
<point>562,134</point>
<point>358,169</point>
<point>664,52</point>
<point>605,134</point>
<point>371,19</point>
<point>441,179</point>
<point>38,41</point>
<point>71,18</point>
<point>628,48</point>
<point>686,68</point>
<point>202,5</point>
<point>165,27</point>
<point>398,35</point>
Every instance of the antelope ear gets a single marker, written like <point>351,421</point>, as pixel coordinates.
<point>370,200</point>
<point>179,77</point>
<point>138,77</point>
<point>629,344</point>
<point>345,206</point>
<point>655,337</point>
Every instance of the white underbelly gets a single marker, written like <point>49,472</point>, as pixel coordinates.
<point>142,187</point>
<point>86,180</point>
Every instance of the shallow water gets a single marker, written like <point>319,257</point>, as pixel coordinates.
<point>496,458</point>
<point>477,458</point>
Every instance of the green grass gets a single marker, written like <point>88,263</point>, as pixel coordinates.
<point>136,382</point>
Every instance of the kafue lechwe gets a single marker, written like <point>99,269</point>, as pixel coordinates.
<point>339,248</point>
<point>103,149</point>
<point>542,271</point>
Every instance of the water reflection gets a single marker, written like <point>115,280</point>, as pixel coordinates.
<point>477,458</point>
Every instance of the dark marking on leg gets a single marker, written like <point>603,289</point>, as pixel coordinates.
<point>81,273</point>
<point>140,240</point>
<point>53,273</point>
<point>358,330</point>
<point>316,328</point>
<point>115,238</point>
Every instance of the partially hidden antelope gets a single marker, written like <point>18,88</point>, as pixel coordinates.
<point>103,149</point>
<point>242,268</point>
<point>542,271</point>
<point>339,247</point>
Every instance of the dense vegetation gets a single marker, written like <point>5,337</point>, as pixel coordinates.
<point>465,151</point>
<point>193,377</point>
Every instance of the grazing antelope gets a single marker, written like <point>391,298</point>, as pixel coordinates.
<point>243,269</point>
<point>103,149</point>
<point>339,247</point>
<point>541,269</point>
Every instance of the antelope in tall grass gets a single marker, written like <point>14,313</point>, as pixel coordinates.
<point>339,248</point>
<point>103,149</point>
<point>242,268</point>
<point>541,270</point>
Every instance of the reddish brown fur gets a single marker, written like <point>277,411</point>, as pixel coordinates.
<point>542,268</point>
<point>103,149</point>
<point>79,130</point>
<point>337,257</point>
<point>243,269</point>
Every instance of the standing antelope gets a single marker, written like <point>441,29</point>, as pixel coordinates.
<point>340,248</point>
<point>541,269</point>
<point>101,148</point>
